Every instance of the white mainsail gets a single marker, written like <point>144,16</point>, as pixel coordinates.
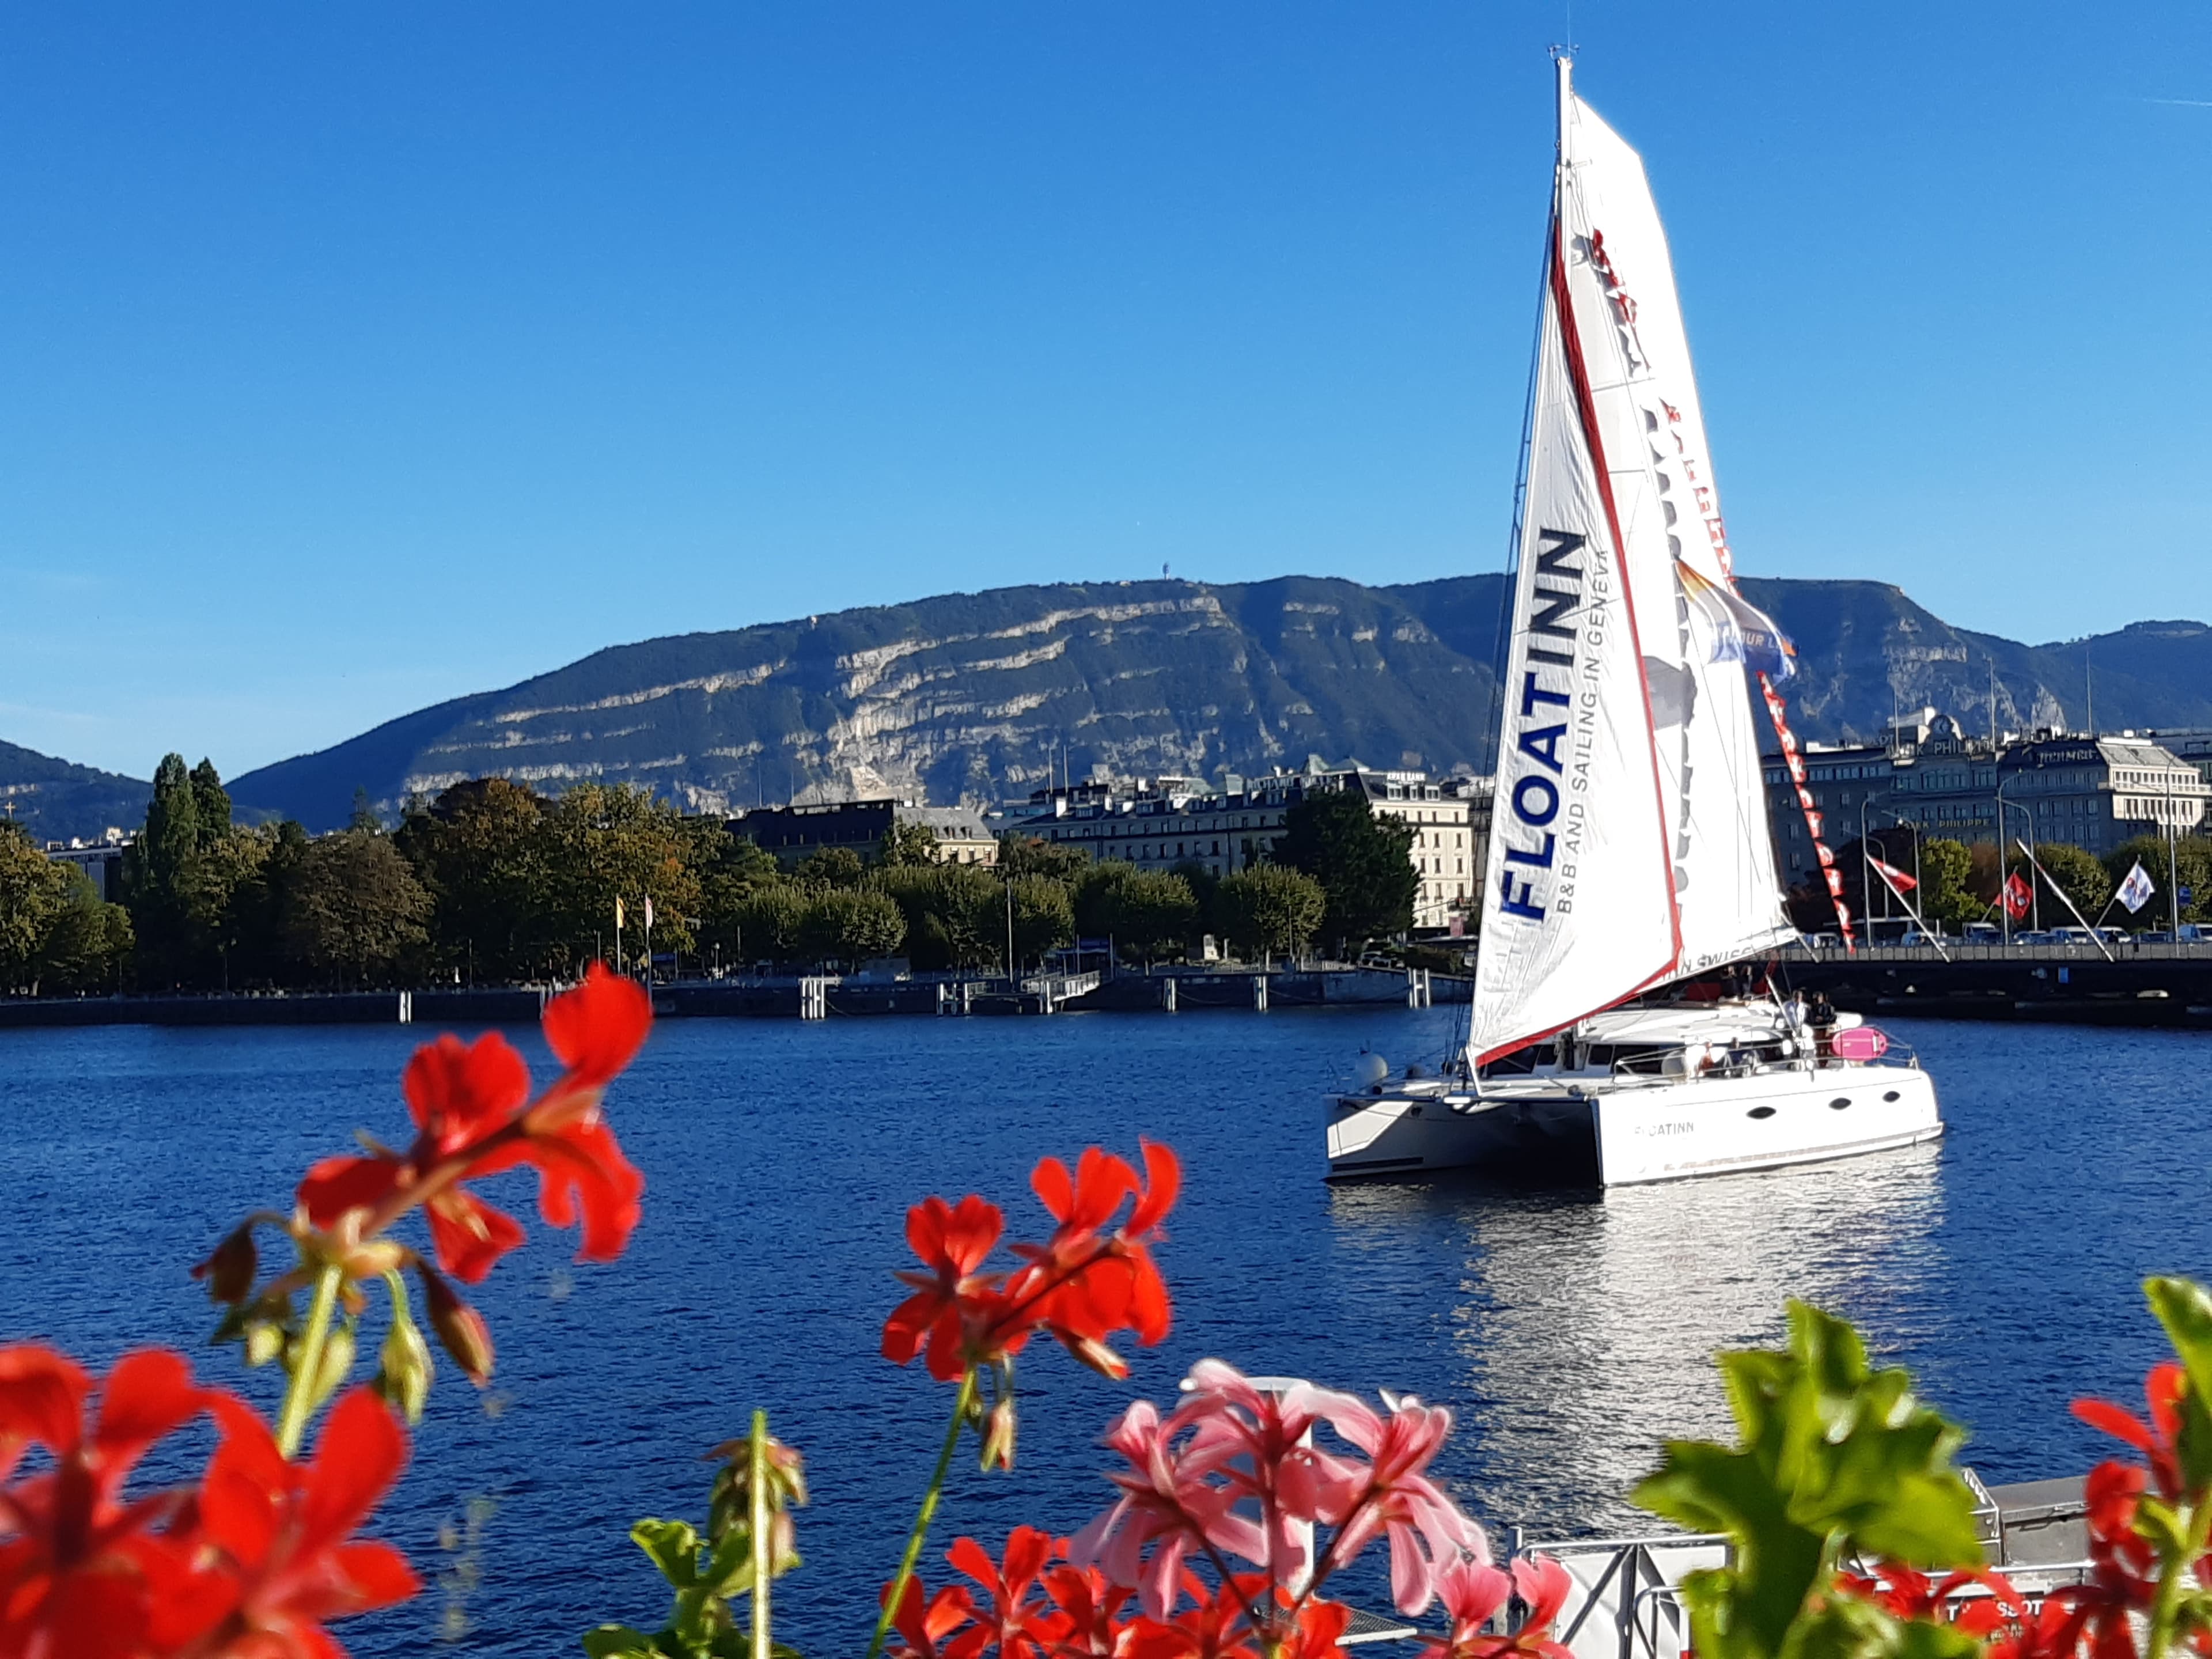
<point>1630,842</point>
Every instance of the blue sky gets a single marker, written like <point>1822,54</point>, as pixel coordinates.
<point>357,358</point>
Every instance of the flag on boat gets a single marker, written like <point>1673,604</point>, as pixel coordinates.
<point>2135,892</point>
<point>1741,631</point>
<point>1895,877</point>
<point>2016,897</point>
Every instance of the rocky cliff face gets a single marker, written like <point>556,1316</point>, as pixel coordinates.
<point>975,697</point>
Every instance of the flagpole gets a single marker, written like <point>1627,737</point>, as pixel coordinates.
<point>1918,920</point>
<point>2095,937</point>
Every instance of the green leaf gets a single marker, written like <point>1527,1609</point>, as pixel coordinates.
<point>2185,1308</point>
<point>1832,1457</point>
<point>674,1548</point>
<point>618,1642</point>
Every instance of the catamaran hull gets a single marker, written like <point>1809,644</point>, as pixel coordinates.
<point>1651,1131</point>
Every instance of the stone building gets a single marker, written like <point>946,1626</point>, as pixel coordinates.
<point>1157,824</point>
<point>2094,792</point>
<point>792,833</point>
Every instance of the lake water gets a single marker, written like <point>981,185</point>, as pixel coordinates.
<point>1569,1331</point>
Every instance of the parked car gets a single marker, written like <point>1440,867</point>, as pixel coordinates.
<point>2190,934</point>
<point>1822,941</point>
<point>1983,932</point>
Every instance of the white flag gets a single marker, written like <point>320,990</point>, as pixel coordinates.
<point>649,913</point>
<point>2136,890</point>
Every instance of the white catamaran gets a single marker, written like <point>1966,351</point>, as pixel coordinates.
<point>1630,850</point>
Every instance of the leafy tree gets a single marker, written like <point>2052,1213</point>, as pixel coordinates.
<point>731,871</point>
<point>1201,879</point>
<point>1098,894</point>
<point>766,927</point>
<point>955,914</point>
<point>1946,894</point>
<point>607,841</point>
<point>832,867</point>
<point>850,926</point>
<point>87,942</point>
<point>1268,910</point>
<point>355,909</point>
<point>480,849</point>
<point>906,845</point>
<point>160,875</point>
<point>32,892</point>
<point>2080,874</point>
<point>210,803</point>
<point>1364,863</point>
<point>2192,857</point>
<point>1148,912</point>
<point>1033,855</point>
<point>364,820</point>
<point>1044,917</point>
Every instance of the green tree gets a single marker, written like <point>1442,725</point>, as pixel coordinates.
<point>766,926</point>
<point>832,867</point>
<point>355,910</point>
<point>1044,917</point>
<point>906,845</point>
<point>1033,855</point>
<point>2191,854</point>
<point>954,914</point>
<point>1364,863</point>
<point>32,888</point>
<point>87,941</point>
<point>730,870</point>
<point>849,925</point>
<point>1946,894</point>
<point>482,849</point>
<point>1149,913</point>
<point>161,871</point>
<point>1270,910</point>
<point>608,841</point>
<point>2080,874</point>
<point>1097,892</point>
<point>210,803</point>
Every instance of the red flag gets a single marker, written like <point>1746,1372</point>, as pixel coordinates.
<point>2016,897</point>
<point>1893,876</point>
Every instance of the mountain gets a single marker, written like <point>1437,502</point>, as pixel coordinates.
<point>57,800</point>
<point>969,696</point>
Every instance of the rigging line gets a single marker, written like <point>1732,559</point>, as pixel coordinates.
<point>1506,589</point>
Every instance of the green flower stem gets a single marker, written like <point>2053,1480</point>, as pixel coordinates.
<point>963,1403</point>
<point>756,1460</point>
<point>2178,1571</point>
<point>299,1397</point>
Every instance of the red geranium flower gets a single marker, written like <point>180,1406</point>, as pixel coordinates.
<point>1081,1285</point>
<point>923,1620</point>
<point>287,1528</point>
<point>81,1571</point>
<point>953,1242</point>
<point>473,1117</point>
<point>1012,1619</point>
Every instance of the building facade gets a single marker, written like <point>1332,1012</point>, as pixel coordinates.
<point>1159,823</point>
<point>794,833</point>
<point>2092,792</point>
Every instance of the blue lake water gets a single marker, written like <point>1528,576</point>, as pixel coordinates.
<point>1570,1331</point>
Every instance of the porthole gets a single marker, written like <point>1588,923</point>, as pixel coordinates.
<point>1839,1103</point>
<point>1761,1111</point>
<point>1891,1097</point>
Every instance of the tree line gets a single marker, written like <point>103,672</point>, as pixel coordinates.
<point>1959,882</point>
<point>493,883</point>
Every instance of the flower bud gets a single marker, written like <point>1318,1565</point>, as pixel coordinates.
<point>461,1329</point>
<point>998,1435</point>
<point>230,1271</point>
<point>264,1342</point>
<point>404,1380</point>
<point>337,1363</point>
<point>1100,1358</point>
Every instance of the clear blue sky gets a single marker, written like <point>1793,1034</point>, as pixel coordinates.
<point>356,357</point>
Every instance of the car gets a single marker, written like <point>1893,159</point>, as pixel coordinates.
<point>1983,932</point>
<point>1822,941</point>
<point>2190,934</point>
<point>2035,937</point>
